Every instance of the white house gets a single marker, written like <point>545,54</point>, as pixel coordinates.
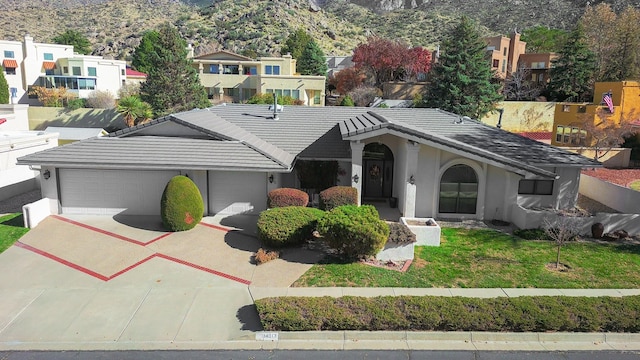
<point>27,63</point>
<point>435,163</point>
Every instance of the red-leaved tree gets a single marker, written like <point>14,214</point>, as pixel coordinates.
<point>388,60</point>
<point>347,79</point>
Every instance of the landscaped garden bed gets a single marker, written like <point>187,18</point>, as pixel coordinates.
<point>485,258</point>
<point>427,313</point>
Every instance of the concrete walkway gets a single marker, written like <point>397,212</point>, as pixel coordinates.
<point>103,283</point>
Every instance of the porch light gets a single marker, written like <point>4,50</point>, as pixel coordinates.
<point>412,180</point>
<point>46,174</point>
<point>356,178</point>
<point>271,179</point>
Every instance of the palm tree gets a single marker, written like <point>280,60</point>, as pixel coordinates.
<point>134,110</point>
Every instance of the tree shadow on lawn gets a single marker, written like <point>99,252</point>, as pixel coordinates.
<point>17,221</point>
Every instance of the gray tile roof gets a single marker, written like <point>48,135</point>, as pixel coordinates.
<point>248,137</point>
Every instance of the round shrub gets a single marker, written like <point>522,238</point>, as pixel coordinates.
<point>354,231</point>
<point>338,196</point>
<point>287,226</point>
<point>181,206</point>
<point>287,197</point>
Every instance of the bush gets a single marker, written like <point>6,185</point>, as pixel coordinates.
<point>262,256</point>
<point>287,197</point>
<point>74,104</point>
<point>286,226</point>
<point>337,196</point>
<point>400,234</point>
<point>99,99</point>
<point>531,234</point>
<point>181,206</point>
<point>433,313</point>
<point>354,231</point>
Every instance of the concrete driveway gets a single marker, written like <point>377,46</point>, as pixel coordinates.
<point>97,282</point>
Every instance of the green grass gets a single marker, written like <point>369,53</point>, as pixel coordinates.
<point>488,259</point>
<point>635,185</point>
<point>11,229</point>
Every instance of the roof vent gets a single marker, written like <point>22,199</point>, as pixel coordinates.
<point>275,107</point>
<point>461,119</point>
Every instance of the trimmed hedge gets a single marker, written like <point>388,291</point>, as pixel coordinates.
<point>287,226</point>
<point>436,313</point>
<point>354,231</point>
<point>181,206</point>
<point>283,197</point>
<point>337,196</point>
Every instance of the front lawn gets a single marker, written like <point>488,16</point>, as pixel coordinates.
<point>484,258</point>
<point>11,229</point>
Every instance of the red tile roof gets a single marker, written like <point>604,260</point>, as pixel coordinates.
<point>537,135</point>
<point>49,65</point>
<point>9,63</point>
<point>133,73</point>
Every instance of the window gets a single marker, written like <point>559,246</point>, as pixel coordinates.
<point>76,70</point>
<point>49,72</point>
<point>9,54</point>
<point>504,65</point>
<point>48,56</point>
<point>123,72</point>
<point>295,94</point>
<point>10,70</point>
<point>496,63</point>
<point>534,77</point>
<point>538,65</point>
<point>504,51</point>
<point>214,69</point>
<point>92,71</point>
<point>250,70</point>
<point>286,92</point>
<point>566,108</point>
<point>65,69</point>
<point>458,190</point>
<point>231,69</point>
<point>272,69</point>
<point>535,187</point>
<point>559,132</point>
<point>316,97</point>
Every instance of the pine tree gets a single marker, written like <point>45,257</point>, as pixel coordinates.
<point>141,56</point>
<point>312,61</point>
<point>461,81</point>
<point>80,43</point>
<point>572,73</point>
<point>4,88</point>
<point>296,43</point>
<point>172,83</point>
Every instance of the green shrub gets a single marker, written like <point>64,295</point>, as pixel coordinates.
<point>286,226</point>
<point>531,234</point>
<point>354,231</point>
<point>400,234</point>
<point>181,206</point>
<point>438,313</point>
<point>287,197</point>
<point>337,196</point>
<point>74,104</point>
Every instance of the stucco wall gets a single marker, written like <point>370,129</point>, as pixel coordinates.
<point>523,116</point>
<point>614,196</point>
<point>565,191</point>
<point>42,117</point>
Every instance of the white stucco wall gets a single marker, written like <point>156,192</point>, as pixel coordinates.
<point>565,190</point>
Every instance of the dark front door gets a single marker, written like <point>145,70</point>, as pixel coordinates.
<point>374,178</point>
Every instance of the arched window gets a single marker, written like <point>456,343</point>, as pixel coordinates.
<point>458,190</point>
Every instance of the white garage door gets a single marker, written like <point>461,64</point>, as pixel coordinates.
<point>235,192</point>
<point>109,192</point>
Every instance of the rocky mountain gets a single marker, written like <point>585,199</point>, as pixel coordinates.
<point>259,28</point>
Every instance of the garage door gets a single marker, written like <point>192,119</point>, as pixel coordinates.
<point>109,192</point>
<point>235,192</point>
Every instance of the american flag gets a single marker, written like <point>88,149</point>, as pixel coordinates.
<point>607,100</point>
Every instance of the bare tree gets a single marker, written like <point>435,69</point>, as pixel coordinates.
<point>519,86</point>
<point>561,230</point>
<point>604,133</point>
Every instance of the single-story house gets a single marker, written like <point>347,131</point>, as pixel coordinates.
<point>435,163</point>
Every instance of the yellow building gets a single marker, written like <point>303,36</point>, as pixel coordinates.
<point>230,77</point>
<point>569,117</point>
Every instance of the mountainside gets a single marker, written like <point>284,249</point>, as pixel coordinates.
<point>259,28</point>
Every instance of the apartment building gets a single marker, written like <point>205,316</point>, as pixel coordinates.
<point>26,64</point>
<point>229,77</point>
<point>507,54</point>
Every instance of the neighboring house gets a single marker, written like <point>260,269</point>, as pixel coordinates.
<point>68,135</point>
<point>134,77</point>
<point>230,77</point>
<point>570,119</point>
<point>435,163</point>
<point>15,141</point>
<point>507,54</point>
<point>337,63</point>
<point>27,64</point>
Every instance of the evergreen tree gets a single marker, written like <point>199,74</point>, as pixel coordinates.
<point>312,61</point>
<point>80,43</point>
<point>141,59</point>
<point>625,62</point>
<point>572,73</point>
<point>461,81</point>
<point>4,88</point>
<point>172,83</point>
<point>296,43</point>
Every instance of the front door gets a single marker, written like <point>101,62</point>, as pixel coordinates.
<point>374,178</point>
